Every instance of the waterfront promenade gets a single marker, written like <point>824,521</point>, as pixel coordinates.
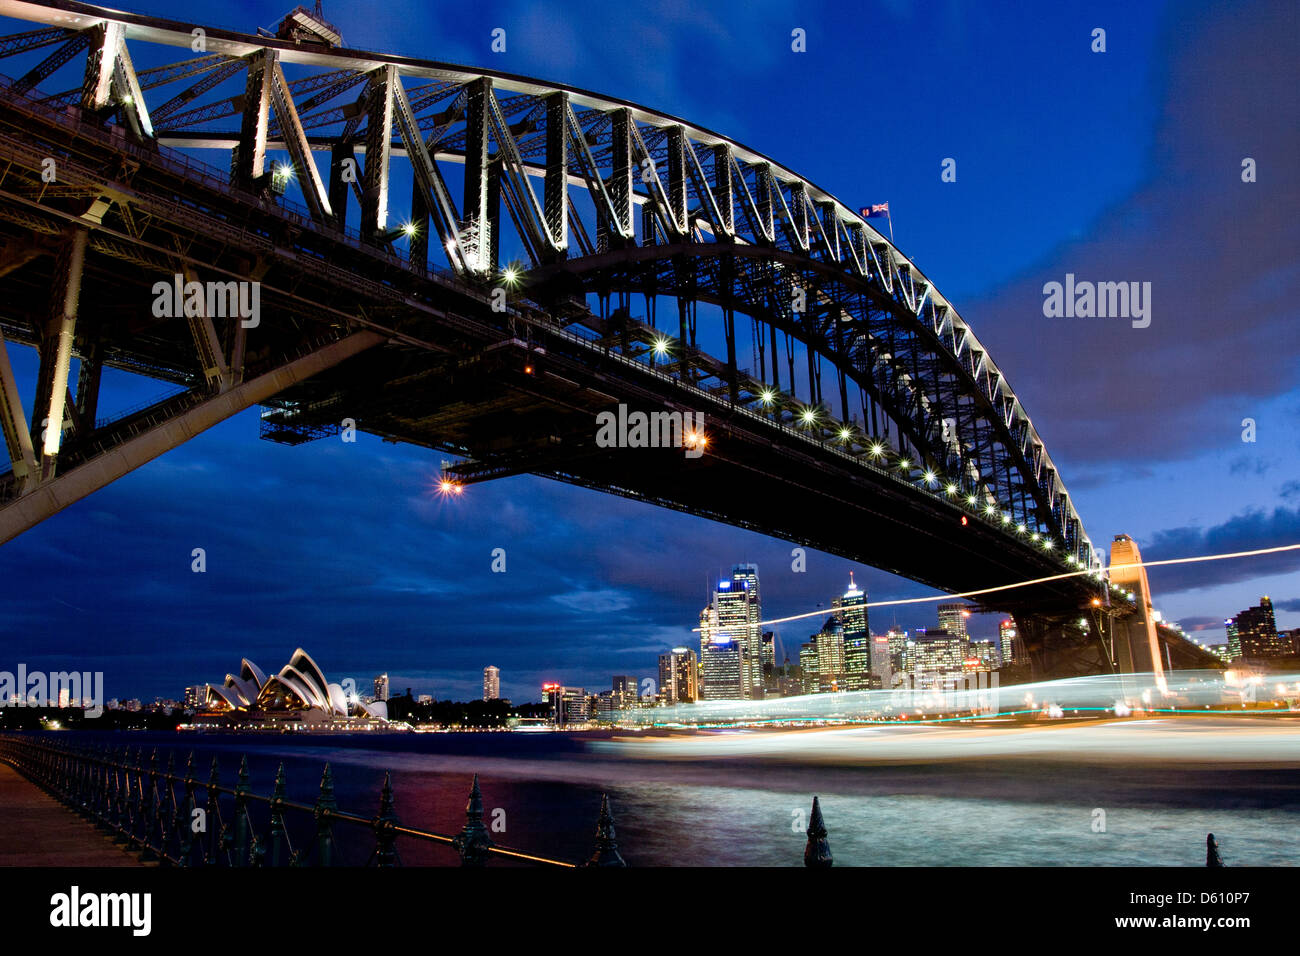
<point>37,830</point>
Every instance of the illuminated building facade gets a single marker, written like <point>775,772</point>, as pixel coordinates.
<point>298,694</point>
<point>491,683</point>
<point>381,687</point>
<point>1009,642</point>
<point>851,609</point>
<point>731,637</point>
<point>1257,635</point>
<point>679,676</point>
<point>936,656</point>
<point>725,667</point>
<point>953,618</point>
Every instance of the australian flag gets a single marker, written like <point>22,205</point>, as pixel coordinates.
<point>880,211</point>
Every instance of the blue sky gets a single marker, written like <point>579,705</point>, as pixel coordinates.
<point>1115,166</point>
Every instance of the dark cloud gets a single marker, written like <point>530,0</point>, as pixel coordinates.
<point>1253,530</point>
<point>1222,257</point>
<point>1287,604</point>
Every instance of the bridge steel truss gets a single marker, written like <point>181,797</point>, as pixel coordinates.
<point>605,200</point>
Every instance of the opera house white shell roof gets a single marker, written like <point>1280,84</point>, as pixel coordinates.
<point>300,685</point>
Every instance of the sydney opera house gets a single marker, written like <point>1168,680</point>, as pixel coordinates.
<point>297,698</point>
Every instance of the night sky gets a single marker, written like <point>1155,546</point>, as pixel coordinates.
<point>1120,166</point>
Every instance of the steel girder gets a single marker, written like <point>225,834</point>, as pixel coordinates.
<point>873,317</point>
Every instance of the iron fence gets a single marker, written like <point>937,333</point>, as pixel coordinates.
<point>154,811</point>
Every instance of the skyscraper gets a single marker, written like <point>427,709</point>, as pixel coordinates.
<point>626,690</point>
<point>725,666</point>
<point>491,683</point>
<point>852,612</point>
<point>381,687</point>
<point>1009,642</point>
<point>1256,633</point>
<point>953,617</point>
<point>733,619</point>
<point>678,676</point>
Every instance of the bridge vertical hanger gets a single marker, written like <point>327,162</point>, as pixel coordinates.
<point>248,164</point>
<point>541,242</point>
<point>418,240</point>
<point>110,78</point>
<point>620,177</point>
<point>677,193</point>
<point>476,233</point>
<point>724,192</point>
<point>764,184</point>
<point>295,139</point>
<point>607,216</point>
<point>18,437</point>
<point>438,198</point>
<point>555,187</point>
<point>340,153</point>
<point>56,351</point>
<point>379,139</point>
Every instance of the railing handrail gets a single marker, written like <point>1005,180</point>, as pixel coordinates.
<point>88,779</point>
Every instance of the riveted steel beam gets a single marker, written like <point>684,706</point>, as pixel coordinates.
<point>379,139</point>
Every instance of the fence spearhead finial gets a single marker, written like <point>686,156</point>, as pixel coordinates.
<point>818,851</point>
<point>1212,857</point>
<point>606,853</point>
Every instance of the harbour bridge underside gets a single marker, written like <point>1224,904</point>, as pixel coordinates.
<point>561,255</point>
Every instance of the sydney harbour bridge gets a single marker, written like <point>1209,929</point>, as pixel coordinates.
<point>480,263</point>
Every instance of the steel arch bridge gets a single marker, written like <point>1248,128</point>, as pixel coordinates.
<point>848,405</point>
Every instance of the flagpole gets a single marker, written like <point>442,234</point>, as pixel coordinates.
<point>890,216</point>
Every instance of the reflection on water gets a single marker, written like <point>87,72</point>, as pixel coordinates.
<point>682,801</point>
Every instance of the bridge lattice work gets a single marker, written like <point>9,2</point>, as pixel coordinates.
<point>493,315</point>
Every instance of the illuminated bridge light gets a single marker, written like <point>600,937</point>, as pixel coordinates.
<point>1034,536</point>
<point>767,396</point>
<point>929,477</point>
<point>1006,518</point>
<point>951,489</point>
<point>970,500</point>
<point>845,434</point>
<point>809,416</point>
<point>904,464</point>
<point>877,449</point>
<point>661,346</point>
<point>1021,528</point>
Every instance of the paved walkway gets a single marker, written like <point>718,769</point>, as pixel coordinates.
<point>37,830</point>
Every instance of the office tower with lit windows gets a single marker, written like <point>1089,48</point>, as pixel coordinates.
<point>491,683</point>
<point>830,655</point>
<point>1257,635</point>
<point>381,687</point>
<point>196,696</point>
<point>809,672</point>
<point>733,619</point>
<point>953,618</point>
<point>726,667</point>
<point>938,656</point>
<point>626,690</point>
<point>851,610</point>
<point>769,653</point>
<point>1009,645</point>
<point>898,641</point>
<point>1234,642</point>
<point>679,676</point>
<point>882,662</point>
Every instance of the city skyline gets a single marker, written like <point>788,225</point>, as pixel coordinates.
<point>412,572</point>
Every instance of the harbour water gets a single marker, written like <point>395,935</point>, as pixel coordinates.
<point>1097,794</point>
